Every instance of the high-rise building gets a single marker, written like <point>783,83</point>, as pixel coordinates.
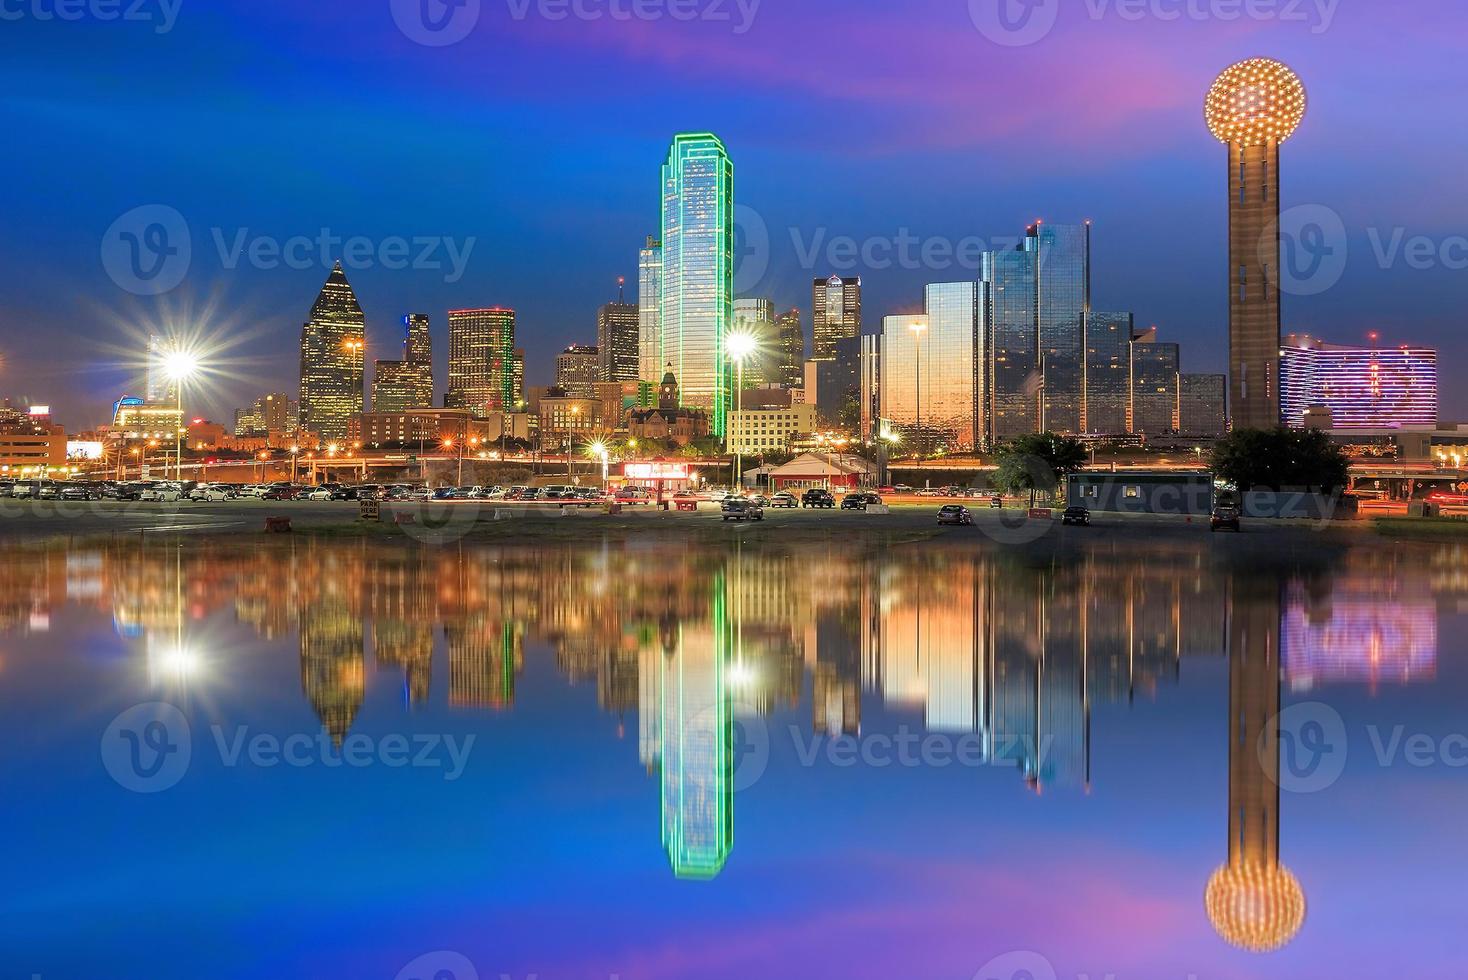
<point>869,385</point>
<point>1013,360</point>
<point>517,387</point>
<point>333,358</point>
<point>481,360</point>
<point>1063,260</point>
<point>618,336</point>
<point>949,339</point>
<point>649,323</point>
<point>407,383</point>
<point>1253,107</point>
<point>790,347</point>
<point>1363,387</point>
<point>1154,386</point>
<point>697,300</point>
<point>275,412</point>
<point>159,387</point>
<point>836,314</point>
<point>756,318</point>
<point>1108,372</point>
<point>578,368</point>
<point>1202,402</point>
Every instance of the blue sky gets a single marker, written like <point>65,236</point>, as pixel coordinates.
<point>532,145</point>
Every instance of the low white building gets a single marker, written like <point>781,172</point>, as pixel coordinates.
<point>753,431</point>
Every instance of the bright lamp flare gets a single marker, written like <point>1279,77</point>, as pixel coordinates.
<point>1255,102</point>
<point>1256,908</point>
<point>180,365</point>
<point>739,345</point>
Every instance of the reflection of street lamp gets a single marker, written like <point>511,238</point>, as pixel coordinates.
<point>179,366</point>
<point>917,327</point>
<point>739,346</point>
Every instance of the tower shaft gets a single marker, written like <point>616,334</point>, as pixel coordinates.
<point>1254,254</point>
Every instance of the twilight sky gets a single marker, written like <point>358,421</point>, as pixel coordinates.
<point>528,152</point>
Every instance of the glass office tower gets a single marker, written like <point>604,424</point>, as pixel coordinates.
<point>697,299</point>
<point>1063,266</point>
<point>1013,355</point>
<point>333,358</point>
<point>835,314</point>
<point>1154,387</point>
<point>756,317</point>
<point>953,409</point>
<point>1108,372</point>
<point>905,365</point>
<point>482,362</point>
<point>649,324</point>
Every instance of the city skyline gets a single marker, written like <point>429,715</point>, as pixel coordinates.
<point>1158,173</point>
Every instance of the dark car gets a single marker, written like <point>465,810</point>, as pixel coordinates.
<point>740,509</point>
<point>1225,518</point>
<point>121,491</point>
<point>954,514</point>
<point>80,491</point>
<point>859,501</point>
<point>281,491</point>
<point>343,493</point>
<point>1079,516</point>
<point>816,497</point>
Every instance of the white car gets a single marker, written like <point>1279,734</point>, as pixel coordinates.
<point>718,496</point>
<point>320,493</point>
<point>209,494</point>
<point>163,492</point>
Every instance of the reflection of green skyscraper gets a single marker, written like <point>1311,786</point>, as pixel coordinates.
<point>698,746</point>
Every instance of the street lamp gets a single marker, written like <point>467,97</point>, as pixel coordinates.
<point>571,440</point>
<point>599,449</point>
<point>739,346</point>
<point>918,327</point>
<point>179,366</point>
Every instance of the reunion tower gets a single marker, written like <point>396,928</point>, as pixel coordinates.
<point>1253,107</point>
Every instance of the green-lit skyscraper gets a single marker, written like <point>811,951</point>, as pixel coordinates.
<point>697,304</point>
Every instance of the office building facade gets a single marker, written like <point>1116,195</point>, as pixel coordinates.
<point>407,383</point>
<point>649,324</point>
<point>790,346</point>
<point>1202,405</point>
<point>835,314</point>
<point>578,370</point>
<point>333,358</point>
<point>618,338</point>
<point>482,360</point>
<point>1154,404</point>
<point>696,307</point>
<point>1108,372</point>
<point>1362,387</point>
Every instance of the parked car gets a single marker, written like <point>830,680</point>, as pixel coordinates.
<point>81,491</point>
<point>954,514</point>
<point>740,509</point>
<point>1225,518</point>
<point>48,490</point>
<point>902,488</point>
<point>209,493</point>
<point>718,494</point>
<point>281,491</point>
<point>859,500</point>
<point>1079,516</point>
<point>758,498</point>
<point>996,502</point>
<point>121,491</point>
<point>816,497</point>
<point>784,499</point>
<point>162,493</point>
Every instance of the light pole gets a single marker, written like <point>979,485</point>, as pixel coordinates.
<point>599,449</point>
<point>179,366</point>
<point>738,346</point>
<point>295,454</point>
<point>917,327</point>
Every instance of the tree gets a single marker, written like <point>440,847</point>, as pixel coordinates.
<point>1279,458</point>
<point>1038,462</point>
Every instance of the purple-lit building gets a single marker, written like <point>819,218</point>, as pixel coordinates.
<point>1361,387</point>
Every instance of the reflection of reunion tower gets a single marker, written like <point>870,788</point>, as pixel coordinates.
<point>1254,107</point>
<point>1253,901</point>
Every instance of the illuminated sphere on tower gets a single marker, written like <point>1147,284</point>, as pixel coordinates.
<point>1255,907</point>
<point>1255,102</point>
